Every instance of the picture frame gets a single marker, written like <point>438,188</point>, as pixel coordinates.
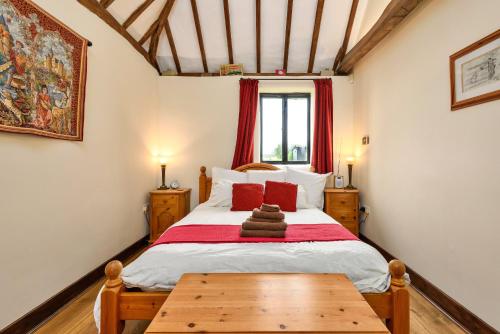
<point>43,68</point>
<point>475,73</point>
<point>231,69</point>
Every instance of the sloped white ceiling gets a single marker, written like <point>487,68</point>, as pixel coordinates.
<point>242,13</point>
<point>368,13</point>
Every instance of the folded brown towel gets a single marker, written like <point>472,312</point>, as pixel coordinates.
<point>262,234</point>
<point>268,215</point>
<point>264,226</point>
<point>270,207</point>
<point>265,220</point>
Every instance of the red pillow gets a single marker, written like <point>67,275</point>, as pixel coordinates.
<point>282,193</point>
<point>247,196</point>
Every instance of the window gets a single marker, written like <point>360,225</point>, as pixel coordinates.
<point>285,128</point>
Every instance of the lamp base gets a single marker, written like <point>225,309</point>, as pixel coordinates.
<point>350,186</point>
<point>163,185</point>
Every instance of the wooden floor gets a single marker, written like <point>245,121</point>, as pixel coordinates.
<point>77,317</point>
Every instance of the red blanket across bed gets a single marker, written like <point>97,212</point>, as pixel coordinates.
<point>214,234</point>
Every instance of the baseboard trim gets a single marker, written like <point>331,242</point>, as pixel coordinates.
<point>43,311</point>
<point>455,310</point>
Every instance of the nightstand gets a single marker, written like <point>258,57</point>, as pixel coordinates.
<point>343,206</point>
<point>167,208</point>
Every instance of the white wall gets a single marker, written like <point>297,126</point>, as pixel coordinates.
<point>431,176</point>
<point>199,120</point>
<point>66,207</point>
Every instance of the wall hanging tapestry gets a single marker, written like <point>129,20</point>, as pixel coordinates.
<point>475,73</point>
<point>43,67</point>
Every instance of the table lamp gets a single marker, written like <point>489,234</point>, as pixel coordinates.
<point>163,164</point>
<point>350,162</point>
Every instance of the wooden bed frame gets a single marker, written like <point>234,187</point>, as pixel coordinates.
<point>119,303</point>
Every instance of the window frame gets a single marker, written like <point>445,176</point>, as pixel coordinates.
<point>284,133</point>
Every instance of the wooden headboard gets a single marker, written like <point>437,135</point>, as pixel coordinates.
<point>205,182</point>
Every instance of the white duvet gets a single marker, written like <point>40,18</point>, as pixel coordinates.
<point>160,267</point>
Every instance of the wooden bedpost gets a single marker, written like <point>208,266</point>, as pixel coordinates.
<point>400,320</point>
<point>202,184</point>
<point>110,299</point>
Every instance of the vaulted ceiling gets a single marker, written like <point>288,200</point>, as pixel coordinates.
<point>195,37</point>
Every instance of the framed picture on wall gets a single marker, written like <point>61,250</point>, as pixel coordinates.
<point>231,69</point>
<point>475,73</point>
<point>43,67</point>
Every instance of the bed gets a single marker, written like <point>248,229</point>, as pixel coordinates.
<point>138,291</point>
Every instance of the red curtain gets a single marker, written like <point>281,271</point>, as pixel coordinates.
<point>322,151</point>
<point>243,152</point>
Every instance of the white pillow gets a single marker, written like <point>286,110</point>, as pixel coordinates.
<point>221,193</point>
<point>228,174</point>
<point>302,202</point>
<point>261,176</point>
<point>313,183</point>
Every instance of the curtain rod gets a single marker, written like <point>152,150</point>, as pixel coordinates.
<point>300,79</point>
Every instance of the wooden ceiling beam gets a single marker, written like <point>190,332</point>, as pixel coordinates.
<point>96,8</point>
<point>171,42</point>
<point>149,32</point>
<point>155,37</point>
<point>136,13</point>
<point>287,33</point>
<point>315,35</point>
<point>153,50</point>
<point>268,74</point>
<point>227,20</point>
<point>395,12</point>
<point>257,33</point>
<point>163,18</point>
<point>343,49</point>
<point>272,74</point>
<point>197,24</point>
<point>106,3</point>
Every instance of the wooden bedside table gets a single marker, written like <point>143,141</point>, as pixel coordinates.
<point>343,206</point>
<point>167,208</point>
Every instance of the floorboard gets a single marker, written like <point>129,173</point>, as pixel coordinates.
<point>77,317</point>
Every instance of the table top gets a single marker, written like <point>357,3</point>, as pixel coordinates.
<point>171,191</point>
<point>340,190</point>
<point>266,303</point>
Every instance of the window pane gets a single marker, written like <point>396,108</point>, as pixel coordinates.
<point>297,129</point>
<point>272,129</point>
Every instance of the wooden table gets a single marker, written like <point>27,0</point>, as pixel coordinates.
<point>266,303</point>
